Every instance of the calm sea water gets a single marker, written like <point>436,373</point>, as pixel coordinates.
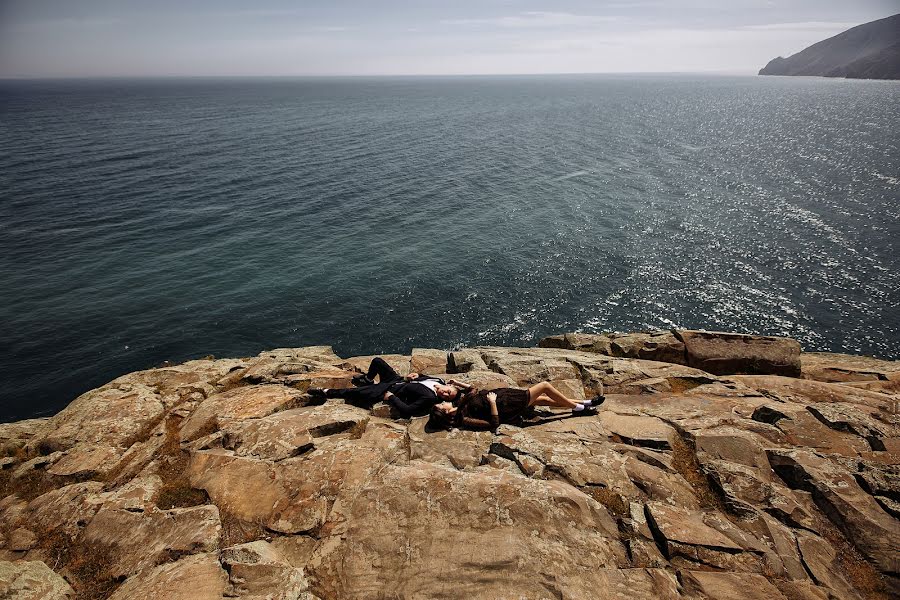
<point>144,221</point>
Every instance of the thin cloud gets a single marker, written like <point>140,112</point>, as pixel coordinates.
<point>536,20</point>
<point>68,23</point>
<point>262,12</point>
<point>801,26</point>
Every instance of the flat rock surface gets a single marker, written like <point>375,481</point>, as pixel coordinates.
<point>223,478</point>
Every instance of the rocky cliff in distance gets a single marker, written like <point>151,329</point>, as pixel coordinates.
<point>721,466</point>
<point>868,51</point>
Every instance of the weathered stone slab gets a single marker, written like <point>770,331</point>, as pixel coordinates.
<point>292,432</point>
<point>845,368</point>
<point>293,366</point>
<point>457,448</point>
<point>683,527</point>
<point>633,584</point>
<point>322,354</point>
<point>835,491</point>
<point>67,509</point>
<point>139,494</point>
<point>483,380</point>
<point>841,416</point>
<point>296,494</point>
<point>395,535</point>
<point>139,540</point>
<point>731,586</point>
<point>87,460</point>
<point>821,560</point>
<point>257,571</point>
<point>648,432</point>
<point>197,577</point>
<point>237,404</point>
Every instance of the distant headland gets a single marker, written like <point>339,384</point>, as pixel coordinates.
<point>867,51</point>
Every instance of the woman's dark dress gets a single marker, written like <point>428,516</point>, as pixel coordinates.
<point>474,411</point>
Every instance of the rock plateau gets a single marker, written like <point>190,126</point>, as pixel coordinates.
<point>721,466</point>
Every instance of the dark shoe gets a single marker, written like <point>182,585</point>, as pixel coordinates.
<point>598,400</point>
<point>361,380</point>
<point>316,392</point>
<point>585,412</point>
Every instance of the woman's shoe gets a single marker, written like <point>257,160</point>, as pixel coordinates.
<point>598,400</point>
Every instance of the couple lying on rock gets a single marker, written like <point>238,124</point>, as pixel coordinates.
<point>451,403</point>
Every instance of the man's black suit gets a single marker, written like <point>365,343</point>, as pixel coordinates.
<point>408,398</point>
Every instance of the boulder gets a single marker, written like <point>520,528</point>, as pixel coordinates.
<point>21,540</point>
<point>732,353</point>
<point>428,361</point>
<point>465,360</point>
<point>662,346</point>
<point>32,580</point>
<point>14,436</point>
<point>109,416</point>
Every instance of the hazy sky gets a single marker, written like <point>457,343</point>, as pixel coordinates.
<point>46,38</point>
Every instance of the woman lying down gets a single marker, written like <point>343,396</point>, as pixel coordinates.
<point>476,409</point>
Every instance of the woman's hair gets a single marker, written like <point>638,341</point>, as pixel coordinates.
<point>440,420</point>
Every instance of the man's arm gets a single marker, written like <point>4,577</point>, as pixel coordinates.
<point>465,387</point>
<point>416,403</point>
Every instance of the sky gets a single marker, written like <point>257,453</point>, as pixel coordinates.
<point>134,38</point>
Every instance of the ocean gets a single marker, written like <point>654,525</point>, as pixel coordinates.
<point>144,221</point>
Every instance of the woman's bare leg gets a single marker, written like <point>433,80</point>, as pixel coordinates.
<point>544,394</point>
